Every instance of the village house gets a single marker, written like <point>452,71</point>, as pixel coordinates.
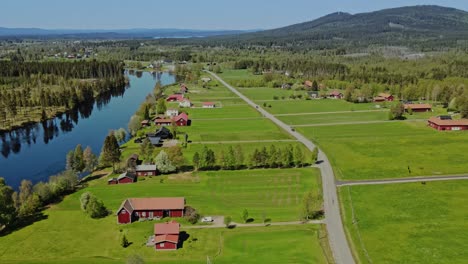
<point>447,123</point>
<point>418,107</point>
<point>185,103</point>
<point>166,235</point>
<point>183,88</point>
<point>208,105</point>
<point>146,170</point>
<point>145,123</point>
<point>127,177</point>
<point>134,209</point>
<point>175,98</point>
<point>384,97</point>
<point>205,79</point>
<point>172,112</point>
<point>181,119</point>
<point>335,95</point>
<point>163,121</point>
<point>162,133</point>
<point>308,84</point>
<point>155,141</point>
<point>314,94</point>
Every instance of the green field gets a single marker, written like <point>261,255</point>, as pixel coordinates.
<point>264,93</point>
<point>385,150</point>
<point>330,118</point>
<point>277,194</point>
<point>408,223</point>
<point>315,106</point>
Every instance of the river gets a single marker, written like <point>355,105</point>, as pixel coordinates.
<point>38,151</point>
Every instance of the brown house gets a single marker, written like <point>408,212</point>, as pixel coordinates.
<point>146,170</point>
<point>418,107</point>
<point>384,97</point>
<point>134,209</point>
<point>166,236</point>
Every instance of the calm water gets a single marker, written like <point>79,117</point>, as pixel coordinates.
<point>39,151</point>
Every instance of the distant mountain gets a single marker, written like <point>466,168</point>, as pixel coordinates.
<point>396,26</point>
<point>136,33</point>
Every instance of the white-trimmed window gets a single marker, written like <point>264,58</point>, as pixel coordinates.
<point>143,214</point>
<point>161,244</point>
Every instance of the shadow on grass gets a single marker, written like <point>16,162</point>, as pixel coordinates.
<point>92,178</point>
<point>23,222</point>
<point>250,220</point>
<point>231,226</point>
<point>184,236</point>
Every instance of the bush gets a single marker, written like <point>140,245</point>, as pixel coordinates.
<point>92,206</point>
<point>124,241</point>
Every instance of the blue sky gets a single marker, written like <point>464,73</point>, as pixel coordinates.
<point>200,14</point>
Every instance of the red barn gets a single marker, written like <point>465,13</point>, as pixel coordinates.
<point>175,97</point>
<point>146,170</point>
<point>447,123</point>
<point>335,95</point>
<point>134,209</point>
<point>418,107</point>
<point>112,181</point>
<point>181,119</point>
<point>166,236</point>
<point>126,177</point>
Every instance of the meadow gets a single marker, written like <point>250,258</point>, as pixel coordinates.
<point>314,106</point>
<point>274,194</point>
<point>408,223</point>
<point>331,118</point>
<point>390,150</point>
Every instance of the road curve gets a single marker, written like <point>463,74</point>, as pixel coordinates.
<point>404,180</point>
<point>336,235</point>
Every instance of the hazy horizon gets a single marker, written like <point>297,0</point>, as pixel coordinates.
<point>202,15</point>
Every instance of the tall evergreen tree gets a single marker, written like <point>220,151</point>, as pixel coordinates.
<point>110,153</point>
<point>78,161</point>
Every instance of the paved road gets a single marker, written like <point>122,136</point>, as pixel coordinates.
<point>337,238</point>
<point>404,180</point>
<point>244,141</point>
<point>315,222</point>
<point>335,112</point>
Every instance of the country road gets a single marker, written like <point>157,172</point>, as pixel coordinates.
<point>404,180</point>
<point>337,238</point>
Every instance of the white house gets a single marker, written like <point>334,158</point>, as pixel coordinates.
<point>185,103</point>
<point>172,112</point>
<point>209,105</point>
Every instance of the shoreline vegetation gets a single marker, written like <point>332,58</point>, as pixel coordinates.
<point>33,92</point>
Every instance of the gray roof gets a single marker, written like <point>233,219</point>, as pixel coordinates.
<point>148,167</point>
<point>155,140</point>
<point>126,175</point>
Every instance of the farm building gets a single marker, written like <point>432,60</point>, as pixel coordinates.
<point>335,95</point>
<point>208,105</point>
<point>172,112</point>
<point>447,123</point>
<point>185,103</point>
<point>418,107</point>
<point>384,97</point>
<point>166,235</point>
<point>127,177</point>
<point>155,141</point>
<point>162,132</point>
<point>145,123</point>
<point>134,209</point>
<point>181,119</point>
<point>146,170</point>
<point>175,97</point>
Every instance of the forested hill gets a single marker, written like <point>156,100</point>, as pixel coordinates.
<point>414,25</point>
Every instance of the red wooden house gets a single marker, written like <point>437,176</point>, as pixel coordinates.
<point>146,170</point>
<point>418,107</point>
<point>166,236</point>
<point>447,123</point>
<point>133,209</point>
<point>384,97</point>
<point>181,119</point>
<point>127,177</point>
<point>175,97</point>
<point>335,95</point>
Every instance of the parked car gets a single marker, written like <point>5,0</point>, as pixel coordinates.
<point>207,219</point>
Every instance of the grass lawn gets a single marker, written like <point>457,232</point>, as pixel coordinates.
<point>385,150</point>
<point>408,223</point>
<point>315,106</point>
<point>234,75</point>
<point>265,93</point>
<point>229,111</point>
<point>68,236</point>
<point>334,118</point>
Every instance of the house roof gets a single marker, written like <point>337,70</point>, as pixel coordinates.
<point>159,203</point>
<point>208,103</point>
<point>154,140</point>
<point>335,93</point>
<point>308,83</point>
<point>145,121</point>
<point>112,179</point>
<point>147,167</point>
<point>163,120</point>
<point>183,116</point>
<point>166,238</point>
<point>448,122</point>
<point>384,95</point>
<point>178,97</point>
<point>168,228</point>
<point>126,175</point>
<point>418,106</point>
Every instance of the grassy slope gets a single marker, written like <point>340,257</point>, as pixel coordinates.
<point>68,236</point>
<point>409,223</point>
